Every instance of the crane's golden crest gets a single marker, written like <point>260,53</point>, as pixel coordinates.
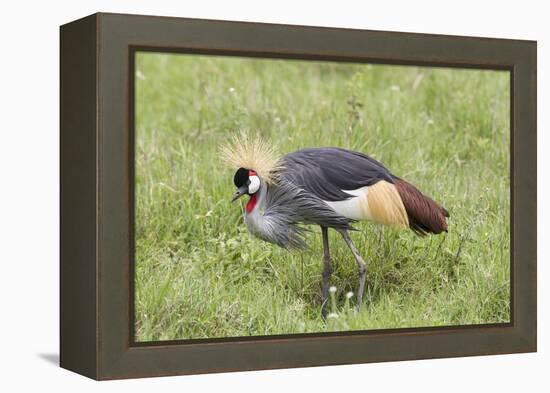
<point>251,152</point>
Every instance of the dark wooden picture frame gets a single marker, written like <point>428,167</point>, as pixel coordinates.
<point>97,136</point>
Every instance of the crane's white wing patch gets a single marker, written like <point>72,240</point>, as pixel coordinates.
<point>354,208</point>
<point>380,203</point>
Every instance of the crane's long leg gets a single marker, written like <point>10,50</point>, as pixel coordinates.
<point>327,271</point>
<point>360,264</point>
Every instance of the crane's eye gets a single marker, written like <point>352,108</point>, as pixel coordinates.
<point>254,184</point>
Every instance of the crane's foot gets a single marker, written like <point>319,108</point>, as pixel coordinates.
<point>362,266</point>
<point>327,272</point>
<point>362,278</point>
<point>324,309</point>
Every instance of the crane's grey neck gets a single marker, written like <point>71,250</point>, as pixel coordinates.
<point>280,210</point>
<point>274,218</point>
<point>259,205</point>
<point>255,219</point>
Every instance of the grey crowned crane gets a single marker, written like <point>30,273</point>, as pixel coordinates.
<point>326,186</point>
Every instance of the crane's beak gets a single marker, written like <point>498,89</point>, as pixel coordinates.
<point>240,192</point>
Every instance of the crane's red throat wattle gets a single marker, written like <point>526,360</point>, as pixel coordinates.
<point>251,203</point>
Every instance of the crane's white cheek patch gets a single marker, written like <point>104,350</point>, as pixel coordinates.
<point>355,208</point>
<point>254,185</point>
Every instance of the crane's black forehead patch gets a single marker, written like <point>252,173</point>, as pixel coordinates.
<point>241,177</point>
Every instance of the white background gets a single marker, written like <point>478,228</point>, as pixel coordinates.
<point>29,212</point>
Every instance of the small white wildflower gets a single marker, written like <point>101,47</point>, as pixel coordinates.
<point>140,75</point>
<point>430,121</point>
<point>395,88</point>
<point>332,315</point>
<point>349,295</point>
<point>277,119</point>
<point>332,289</point>
<point>232,90</point>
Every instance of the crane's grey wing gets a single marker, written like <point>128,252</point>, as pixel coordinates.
<point>327,171</point>
<point>288,207</point>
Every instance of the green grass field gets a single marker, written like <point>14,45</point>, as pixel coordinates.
<point>199,274</point>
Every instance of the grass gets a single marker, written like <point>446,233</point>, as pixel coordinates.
<point>199,274</point>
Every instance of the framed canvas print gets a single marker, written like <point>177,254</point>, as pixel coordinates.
<point>241,196</point>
